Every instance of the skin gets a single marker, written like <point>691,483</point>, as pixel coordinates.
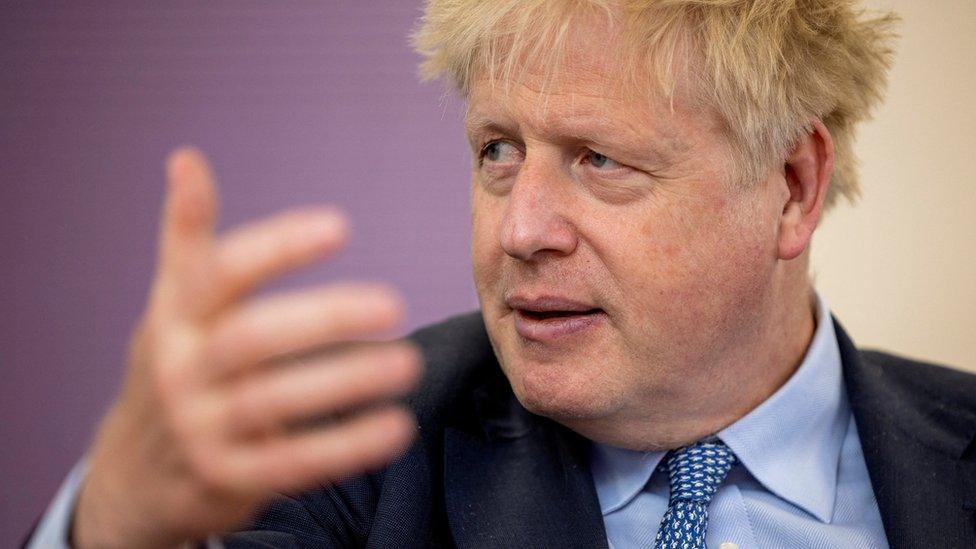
<point>206,428</point>
<point>582,192</point>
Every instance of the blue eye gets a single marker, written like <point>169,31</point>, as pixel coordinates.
<point>499,151</point>
<point>599,161</point>
<point>493,151</point>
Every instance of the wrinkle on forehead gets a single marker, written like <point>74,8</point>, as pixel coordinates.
<point>580,109</point>
<point>582,91</point>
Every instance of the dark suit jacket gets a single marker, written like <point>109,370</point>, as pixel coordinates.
<point>487,473</point>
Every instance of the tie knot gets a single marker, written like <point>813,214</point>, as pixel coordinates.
<point>696,471</point>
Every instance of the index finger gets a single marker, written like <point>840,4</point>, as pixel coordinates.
<point>190,209</point>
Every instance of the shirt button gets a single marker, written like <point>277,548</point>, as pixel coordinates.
<point>729,545</point>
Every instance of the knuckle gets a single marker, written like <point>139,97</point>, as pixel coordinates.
<point>233,337</point>
<point>247,333</point>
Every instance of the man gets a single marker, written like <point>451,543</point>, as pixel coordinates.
<point>650,365</point>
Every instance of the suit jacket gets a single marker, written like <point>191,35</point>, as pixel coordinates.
<point>485,472</point>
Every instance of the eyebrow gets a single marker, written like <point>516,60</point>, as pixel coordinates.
<point>479,123</point>
<point>599,134</point>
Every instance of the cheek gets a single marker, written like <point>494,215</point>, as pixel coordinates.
<point>693,273</point>
<point>486,252</point>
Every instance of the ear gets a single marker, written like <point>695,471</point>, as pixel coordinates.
<point>807,172</point>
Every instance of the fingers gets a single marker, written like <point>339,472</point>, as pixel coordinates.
<point>364,442</point>
<point>190,209</point>
<point>257,252</point>
<point>183,280</point>
<point>271,399</point>
<point>271,327</point>
<point>177,428</point>
<point>198,273</point>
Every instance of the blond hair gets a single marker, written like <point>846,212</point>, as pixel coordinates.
<point>767,67</point>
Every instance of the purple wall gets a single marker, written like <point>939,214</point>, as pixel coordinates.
<point>294,104</point>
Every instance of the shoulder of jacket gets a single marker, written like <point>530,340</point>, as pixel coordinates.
<point>456,353</point>
<point>915,379</point>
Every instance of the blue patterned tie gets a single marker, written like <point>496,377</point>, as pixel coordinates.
<point>695,472</point>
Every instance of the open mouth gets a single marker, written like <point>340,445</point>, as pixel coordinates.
<point>547,315</point>
<point>554,320</point>
<point>555,326</point>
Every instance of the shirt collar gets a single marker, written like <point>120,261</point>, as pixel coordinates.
<point>791,443</point>
<point>795,459</point>
<point>620,474</point>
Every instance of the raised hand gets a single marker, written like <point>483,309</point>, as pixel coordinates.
<point>229,399</point>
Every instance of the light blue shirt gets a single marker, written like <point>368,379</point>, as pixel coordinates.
<point>801,480</point>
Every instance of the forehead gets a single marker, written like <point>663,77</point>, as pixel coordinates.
<point>562,112</point>
<point>582,90</point>
<point>579,106</point>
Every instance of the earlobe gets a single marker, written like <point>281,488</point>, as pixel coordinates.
<point>807,172</point>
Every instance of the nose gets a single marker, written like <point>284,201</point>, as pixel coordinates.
<point>535,220</point>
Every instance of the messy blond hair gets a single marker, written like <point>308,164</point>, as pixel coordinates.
<point>767,67</point>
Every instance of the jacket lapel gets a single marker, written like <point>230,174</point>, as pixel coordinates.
<point>513,479</point>
<point>917,450</point>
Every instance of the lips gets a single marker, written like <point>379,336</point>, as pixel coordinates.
<point>553,318</point>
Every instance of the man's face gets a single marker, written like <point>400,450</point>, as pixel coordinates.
<point>615,265</point>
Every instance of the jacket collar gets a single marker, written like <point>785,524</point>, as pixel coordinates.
<point>512,478</point>
<point>917,440</point>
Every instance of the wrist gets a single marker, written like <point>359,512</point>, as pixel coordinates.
<point>112,509</point>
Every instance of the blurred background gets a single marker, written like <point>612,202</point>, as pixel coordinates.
<point>318,102</point>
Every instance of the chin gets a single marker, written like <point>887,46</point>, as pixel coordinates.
<point>564,392</point>
<point>565,383</point>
